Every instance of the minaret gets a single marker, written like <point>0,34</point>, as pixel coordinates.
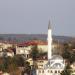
<point>49,41</point>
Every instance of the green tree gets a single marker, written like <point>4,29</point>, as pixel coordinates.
<point>5,61</point>
<point>67,70</point>
<point>72,57</point>
<point>34,55</point>
<point>27,68</point>
<point>69,55</point>
<point>18,60</point>
<point>34,52</point>
<point>66,54</point>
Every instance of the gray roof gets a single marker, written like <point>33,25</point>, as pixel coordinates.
<point>55,63</point>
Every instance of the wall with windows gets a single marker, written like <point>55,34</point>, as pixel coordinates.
<point>48,71</point>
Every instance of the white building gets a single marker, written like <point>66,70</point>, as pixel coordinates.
<point>55,63</point>
<point>5,45</point>
<point>23,51</point>
<point>6,73</point>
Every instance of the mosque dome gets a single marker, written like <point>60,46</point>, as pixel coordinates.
<point>56,57</point>
<point>56,62</point>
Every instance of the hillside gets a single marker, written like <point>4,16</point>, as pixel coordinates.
<point>26,37</point>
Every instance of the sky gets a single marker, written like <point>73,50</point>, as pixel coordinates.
<point>32,16</point>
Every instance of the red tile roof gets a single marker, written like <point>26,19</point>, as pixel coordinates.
<point>33,42</point>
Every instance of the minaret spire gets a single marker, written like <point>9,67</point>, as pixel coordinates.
<point>49,25</point>
<point>49,41</point>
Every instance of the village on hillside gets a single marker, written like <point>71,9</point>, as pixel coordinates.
<point>37,57</point>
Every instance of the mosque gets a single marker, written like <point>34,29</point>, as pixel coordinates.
<point>55,63</point>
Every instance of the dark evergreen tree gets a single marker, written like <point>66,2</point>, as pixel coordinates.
<point>34,52</point>
<point>66,54</point>
<point>72,57</point>
<point>34,55</point>
<point>67,70</point>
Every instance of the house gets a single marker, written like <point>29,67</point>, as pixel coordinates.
<point>5,73</point>
<point>41,61</point>
<point>23,50</point>
<point>7,52</point>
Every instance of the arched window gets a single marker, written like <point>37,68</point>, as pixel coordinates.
<point>51,71</point>
<point>55,71</point>
<point>42,71</point>
<point>48,71</point>
<point>39,71</point>
<point>59,72</point>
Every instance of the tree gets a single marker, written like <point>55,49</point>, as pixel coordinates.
<point>27,68</point>
<point>72,57</point>
<point>11,65</point>
<point>5,61</point>
<point>34,52</point>
<point>69,55</point>
<point>66,54</point>
<point>34,55</point>
<point>67,70</point>
<point>18,60</point>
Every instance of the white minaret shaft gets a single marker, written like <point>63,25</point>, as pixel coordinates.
<point>49,41</point>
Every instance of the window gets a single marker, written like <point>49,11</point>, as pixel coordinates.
<point>43,71</point>
<point>55,71</point>
<point>59,72</point>
<point>27,55</point>
<point>51,71</point>
<point>39,71</point>
<point>48,71</point>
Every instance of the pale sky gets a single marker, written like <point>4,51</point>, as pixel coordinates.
<point>32,16</point>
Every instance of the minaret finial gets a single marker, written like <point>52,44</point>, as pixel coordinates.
<point>49,25</point>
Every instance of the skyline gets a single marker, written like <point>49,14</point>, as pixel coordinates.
<point>32,17</point>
